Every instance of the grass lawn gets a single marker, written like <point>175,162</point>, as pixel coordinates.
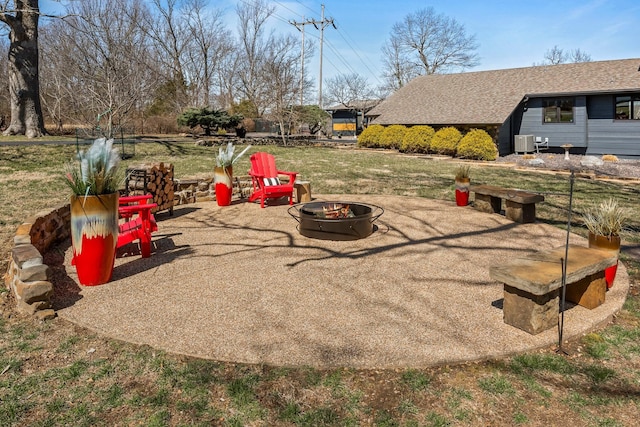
<point>55,373</point>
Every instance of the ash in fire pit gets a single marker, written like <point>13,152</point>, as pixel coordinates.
<point>336,220</point>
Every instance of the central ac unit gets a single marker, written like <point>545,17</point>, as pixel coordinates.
<point>523,144</point>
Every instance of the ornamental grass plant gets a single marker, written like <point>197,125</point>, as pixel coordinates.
<point>606,219</point>
<point>463,172</point>
<point>95,171</point>
<point>225,155</point>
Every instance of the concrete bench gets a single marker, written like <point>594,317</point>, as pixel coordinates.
<point>520,205</point>
<point>532,285</point>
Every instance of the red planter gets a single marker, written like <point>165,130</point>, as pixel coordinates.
<point>610,243</point>
<point>223,178</point>
<point>94,234</point>
<point>462,191</point>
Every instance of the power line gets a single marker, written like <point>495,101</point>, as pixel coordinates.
<point>319,25</point>
<point>356,51</point>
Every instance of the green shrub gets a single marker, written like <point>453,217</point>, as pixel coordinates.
<point>370,136</point>
<point>445,141</point>
<point>392,136</point>
<point>417,139</point>
<point>477,144</point>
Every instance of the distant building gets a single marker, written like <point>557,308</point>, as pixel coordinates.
<point>594,106</point>
<point>350,120</point>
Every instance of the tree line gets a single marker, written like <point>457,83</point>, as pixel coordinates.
<point>142,63</point>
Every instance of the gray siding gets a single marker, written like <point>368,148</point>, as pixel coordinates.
<point>609,136</point>
<point>558,133</point>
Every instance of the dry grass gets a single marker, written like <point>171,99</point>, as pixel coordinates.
<point>55,373</point>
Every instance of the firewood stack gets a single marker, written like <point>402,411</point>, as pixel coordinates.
<point>156,179</point>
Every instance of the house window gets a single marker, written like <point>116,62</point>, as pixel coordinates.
<point>628,107</point>
<point>558,110</point>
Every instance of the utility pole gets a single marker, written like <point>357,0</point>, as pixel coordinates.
<point>320,25</point>
<point>300,27</point>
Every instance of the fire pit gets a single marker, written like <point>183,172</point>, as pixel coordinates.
<point>335,220</point>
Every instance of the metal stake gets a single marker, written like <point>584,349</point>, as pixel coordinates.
<point>564,268</point>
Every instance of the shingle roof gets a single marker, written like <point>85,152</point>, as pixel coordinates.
<point>489,97</point>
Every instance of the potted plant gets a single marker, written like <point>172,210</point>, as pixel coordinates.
<point>93,180</point>
<point>223,173</point>
<point>605,223</point>
<point>463,180</point>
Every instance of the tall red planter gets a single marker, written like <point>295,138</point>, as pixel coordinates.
<point>606,242</point>
<point>94,235</point>
<point>223,179</point>
<point>462,191</point>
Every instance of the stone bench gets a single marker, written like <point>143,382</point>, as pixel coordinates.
<point>520,205</point>
<point>532,285</point>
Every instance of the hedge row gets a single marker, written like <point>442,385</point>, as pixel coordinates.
<point>475,144</point>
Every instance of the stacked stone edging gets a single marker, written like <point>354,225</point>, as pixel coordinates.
<point>204,189</point>
<point>27,276</point>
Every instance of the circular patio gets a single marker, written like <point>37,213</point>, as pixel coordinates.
<point>240,284</point>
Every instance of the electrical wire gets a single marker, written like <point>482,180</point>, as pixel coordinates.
<point>350,42</point>
<point>347,39</point>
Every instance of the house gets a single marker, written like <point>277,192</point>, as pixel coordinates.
<point>594,106</point>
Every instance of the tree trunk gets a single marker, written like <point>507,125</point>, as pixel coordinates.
<point>24,83</point>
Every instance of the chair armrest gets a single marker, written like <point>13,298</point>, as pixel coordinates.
<point>291,175</point>
<point>134,199</point>
<point>136,208</point>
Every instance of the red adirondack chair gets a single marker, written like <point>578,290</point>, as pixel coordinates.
<point>140,227</point>
<point>266,181</point>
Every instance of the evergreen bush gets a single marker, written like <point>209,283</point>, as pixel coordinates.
<point>477,144</point>
<point>392,136</point>
<point>417,139</point>
<point>370,136</point>
<point>445,141</point>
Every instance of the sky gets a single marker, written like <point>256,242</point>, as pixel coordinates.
<point>510,33</point>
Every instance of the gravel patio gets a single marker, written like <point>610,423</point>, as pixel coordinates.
<point>240,284</point>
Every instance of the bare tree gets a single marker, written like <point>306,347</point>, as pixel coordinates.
<point>348,90</point>
<point>114,73</point>
<point>435,42</point>
<point>55,73</point>
<point>398,68</point>
<point>556,55</point>
<point>576,55</point>
<point>252,17</point>
<point>169,34</point>
<point>22,16</point>
<point>281,75</point>
<point>210,43</point>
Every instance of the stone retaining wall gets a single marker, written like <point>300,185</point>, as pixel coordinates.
<point>27,276</point>
<point>204,189</point>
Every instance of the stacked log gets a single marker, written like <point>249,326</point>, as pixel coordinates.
<point>156,179</point>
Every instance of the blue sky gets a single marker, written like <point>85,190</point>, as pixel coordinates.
<point>509,33</point>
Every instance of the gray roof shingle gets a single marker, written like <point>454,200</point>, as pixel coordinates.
<point>489,97</point>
